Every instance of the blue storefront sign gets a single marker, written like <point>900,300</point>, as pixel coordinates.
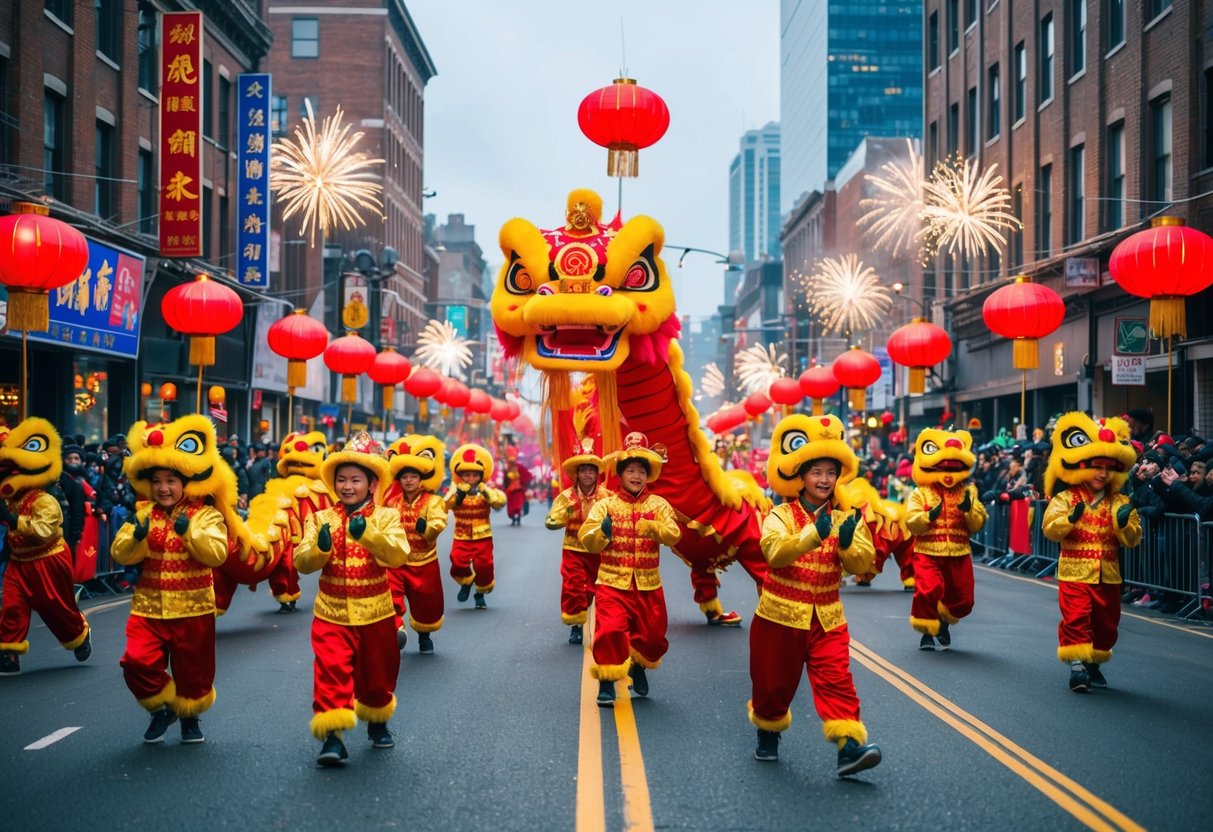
<point>252,180</point>
<point>99,311</point>
<point>457,316</point>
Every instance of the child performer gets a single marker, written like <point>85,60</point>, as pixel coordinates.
<point>627,530</point>
<point>1092,520</point>
<point>353,544</point>
<point>578,567</point>
<point>417,465</point>
<point>39,574</point>
<point>470,499</point>
<point>178,540</point>
<point>807,541</point>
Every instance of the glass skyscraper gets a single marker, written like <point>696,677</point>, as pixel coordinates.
<point>754,195</point>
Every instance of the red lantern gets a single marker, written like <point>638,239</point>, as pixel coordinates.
<point>729,418</point>
<point>515,410</point>
<point>297,338</point>
<point>37,254</point>
<point>389,369</point>
<point>756,404</point>
<point>479,402</point>
<point>1166,262</point>
<point>624,118</point>
<point>1024,311</point>
<point>457,394</point>
<point>786,391</point>
<point>857,370</point>
<point>422,383</point>
<point>919,345</point>
<point>500,411</point>
<point>886,418</point>
<point>202,309</point>
<point>444,390</point>
<point>818,383</point>
<point>351,356</point>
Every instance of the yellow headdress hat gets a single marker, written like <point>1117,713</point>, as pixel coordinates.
<point>636,446</point>
<point>942,456</point>
<point>799,439</point>
<point>362,451</point>
<point>423,454</point>
<point>302,453</point>
<point>586,457</point>
<point>471,457</point>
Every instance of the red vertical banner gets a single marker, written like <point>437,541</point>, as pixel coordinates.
<point>181,134</point>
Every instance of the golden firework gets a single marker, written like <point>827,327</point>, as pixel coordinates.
<point>320,176</point>
<point>967,210</point>
<point>892,219</point>
<point>757,367</point>
<point>712,383</point>
<point>440,348</point>
<point>846,295</point>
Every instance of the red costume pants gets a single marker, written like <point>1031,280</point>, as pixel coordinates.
<point>1090,615</point>
<point>225,590</point>
<point>421,586</point>
<point>284,580</point>
<point>578,571</point>
<point>778,655</point>
<point>43,586</point>
<point>628,622</point>
<point>902,553</point>
<point>943,588</point>
<point>473,560</point>
<point>356,667</point>
<point>188,645</point>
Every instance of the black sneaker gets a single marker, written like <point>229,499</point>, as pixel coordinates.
<point>1095,675</point>
<point>333,753</point>
<point>162,718</point>
<point>480,605</point>
<point>575,634</point>
<point>402,638</point>
<point>425,643</point>
<point>292,605</point>
<point>768,746</point>
<point>945,637</point>
<point>285,606</point>
<point>640,682</point>
<point>190,731</point>
<point>464,592</point>
<point>907,588</point>
<point>10,664</point>
<point>863,583</point>
<point>606,693</point>
<point>379,735</point>
<point>85,649</point>
<point>1080,680</point>
<point>927,642</point>
<point>854,758</point>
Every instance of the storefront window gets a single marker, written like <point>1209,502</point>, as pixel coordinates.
<point>91,391</point>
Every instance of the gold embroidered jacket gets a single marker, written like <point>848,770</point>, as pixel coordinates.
<point>422,545</point>
<point>948,535</point>
<point>472,515</point>
<point>639,527</point>
<point>569,511</point>
<point>1090,548</point>
<point>39,531</point>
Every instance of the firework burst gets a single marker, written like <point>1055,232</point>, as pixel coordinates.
<point>892,219</point>
<point>967,210</point>
<point>846,295</point>
<point>440,348</point>
<point>757,367</point>
<point>712,383</point>
<point>320,176</point>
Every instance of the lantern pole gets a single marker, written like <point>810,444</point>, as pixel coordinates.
<point>199,388</point>
<point>290,409</point>
<point>1023,398</point>
<point>24,376</point>
<point>1170,354</point>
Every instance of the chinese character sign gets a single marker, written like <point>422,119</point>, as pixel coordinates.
<point>252,177</point>
<point>181,134</point>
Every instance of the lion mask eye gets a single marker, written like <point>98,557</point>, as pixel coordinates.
<point>792,441</point>
<point>426,453</point>
<point>518,281</point>
<point>1075,438</point>
<point>36,444</point>
<point>318,448</point>
<point>929,447</point>
<point>191,443</point>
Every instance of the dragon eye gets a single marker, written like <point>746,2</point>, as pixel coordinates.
<point>793,440</point>
<point>641,277</point>
<point>426,453</point>
<point>1075,438</point>
<point>36,444</point>
<point>191,443</point>
<point>518,280</point>
<point>929,448</point>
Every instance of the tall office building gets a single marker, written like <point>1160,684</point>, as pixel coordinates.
<point>849,70</point>
<point>754,195</point>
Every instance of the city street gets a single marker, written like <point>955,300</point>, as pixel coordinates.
<point>498,729</point>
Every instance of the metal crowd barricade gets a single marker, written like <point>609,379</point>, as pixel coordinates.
<point>1173,553</point>
<point>991,542</point>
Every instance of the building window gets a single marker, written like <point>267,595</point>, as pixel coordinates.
<point>103,184</point>
<point>109,13</point>
<point>1077,189</point>
<point>1157,7</point>
<point>1078,36</point>
<point>147,192</point>
<point>1115,201</point>
<point>305,37</point>
<point>54,145</point>
<point>146,36</point>
<point>994,104</point>
<point>933,41</point>
<point>1044,212</point>
<point>1017,232</point>
<point>1046,58</point>
<point>278,115</point>
<point>225,112</point>
<point>208,99</point>
<point>972,119</point>
<point>953,27</point>
<point>1021,81</point>
<point>208,206</point>
<point>61,9</point>
<point>953,127</point>
<point>1160,150</point>
<point>933,143</point>
<point>1115,13</point>
<point>970,12</point>
<point>1207,115</point>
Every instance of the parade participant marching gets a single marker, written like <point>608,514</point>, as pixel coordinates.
<point>942,512</point>
<point>516,481</point>
<point>578,567</point>
<point>417,466</point>
<point>626,530</point>
<point>470,499</point>
<point>1091,520</point>
<point>39,574</point>
<point>353,544</point>
<point>177,540</point>
<point>799,623</point>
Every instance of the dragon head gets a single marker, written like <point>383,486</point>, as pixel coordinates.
<point>302,453</point>
<point>944,457</point>
<point>586,295</point>
<point>423,454</point>
<point>1078,442</point>
<point>799,439</point>
<point>186,445</point>
<point>31,456</point>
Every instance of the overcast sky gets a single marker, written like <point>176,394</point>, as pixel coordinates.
<point>501,135</point>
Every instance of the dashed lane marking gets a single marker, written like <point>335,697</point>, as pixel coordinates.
<point>51,739</point>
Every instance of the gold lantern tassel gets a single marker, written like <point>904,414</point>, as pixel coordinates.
<point>918,380</point>
<point>28,311</point>
<point>202,350</point>
<point>623,160</point>
<point>1168,317</point>
<point>609,415</point>
<point>819,407</point>
<point>1024,355</point>
<point>349,388</point>
<point>423,409</point>
<point>389,396</point>
<point>858,397</point>
<point>296,373</point>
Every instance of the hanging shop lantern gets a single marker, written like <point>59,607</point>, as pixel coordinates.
<point>1024,312</point>
<point>857,370</point>
<point>457,394</point>
<point>624,118</point>
<point>168,392</point>
<point>389,369</point>
<point>422,383</point>
<point>479,402</point>
<point>786,392</point>
<point>297,338</point>
<point>202,309</point>
<point>350,355</point>
<point>37,254</point>
<point>818,384</point>
<point>1166,263</point>
<point>500,410</point>
<point>919,345</point>
<point>756,404</point>
<point>216,395</point>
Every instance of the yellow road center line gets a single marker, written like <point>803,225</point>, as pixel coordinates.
<point>1032,769</point>
<point>591,808</point>
<point>637,811</point>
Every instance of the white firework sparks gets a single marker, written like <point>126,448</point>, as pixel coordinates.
<point>846,295</point>
<point>892,218</point>
<point>712,383</point>
<point>440,348</point>
<point>757,367</point>
<point>320,176</point>
<point>967,211</point>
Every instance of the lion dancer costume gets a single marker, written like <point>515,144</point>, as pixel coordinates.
<point>578,566</point>
<point>799,623</point>
<point>423,517</point>
<point>1091,520</point>
<point>516,480</point>
<point>353,544</point>
<point>39,574</point>
<point>886,522</point>
<point>299,458</point>
<point>471,499</point>
<point>942,512</point>
<point>178,545</point>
